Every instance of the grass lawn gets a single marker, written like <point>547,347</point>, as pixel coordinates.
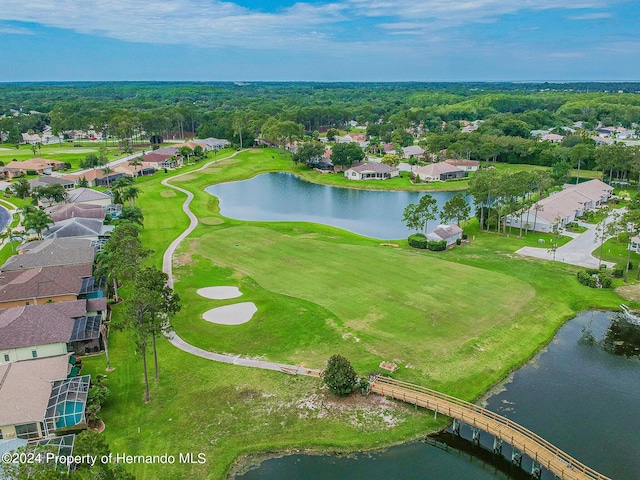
<point>64,152</point>
<point>457,321</point>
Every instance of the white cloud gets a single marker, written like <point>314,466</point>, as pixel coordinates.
<point>11,30</point>
<point>591,16</point>
<point>194,22</point>
<point>303,26</point>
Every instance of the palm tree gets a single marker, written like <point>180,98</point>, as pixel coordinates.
<point>106,170</point>
<point>38,221</point>
<point>131,193</point>
<point>135,162</point>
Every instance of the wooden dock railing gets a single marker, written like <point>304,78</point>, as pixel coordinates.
<point>537,448</point>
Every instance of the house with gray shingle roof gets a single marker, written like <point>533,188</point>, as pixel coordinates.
<point>371,171</point>
<point>47,253</point>
<point>90,228</point>
<point>65,211</point>
<point>49,180</point>
<point>37,286</point>
<point>37,331</point>
<point>449,233</point>
<point>88,196</point>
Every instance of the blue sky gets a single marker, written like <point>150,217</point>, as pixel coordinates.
<point>341,40</point>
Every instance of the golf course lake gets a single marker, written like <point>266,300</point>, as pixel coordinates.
<point>581,393</point>
<point>287,197</point>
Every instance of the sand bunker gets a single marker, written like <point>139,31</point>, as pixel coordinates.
<point>235,314</point>
<point>219,293</point>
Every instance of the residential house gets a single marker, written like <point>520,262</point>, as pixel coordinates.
<point>371,171</point>
<point>551,137</point>
<point>89,197</point>
<point>413,151</point>
<point>53,252</point>
<point>41,166</point>
<point>212,143</point>
<point>563,207</point>
<point>9,173</point>
<point>466,165</point>
<point>596,190</point>
<point>37,286</point>
<point>449,233</point>
<point>65,211</point>
<point>48,330</point>
<point>602,140</point>
<point>96,177</point>
<point>25,392</point>
<point>440,172</point>
<point>49,180</point>
<point>89,228</point>
<point>133,170</point>
<point>158,161</point>
<point>167,151</point>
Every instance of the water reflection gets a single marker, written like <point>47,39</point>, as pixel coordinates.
<point>286,197</point>
<point>581,394</point>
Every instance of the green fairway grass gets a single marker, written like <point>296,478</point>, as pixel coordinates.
<point>458,321</point>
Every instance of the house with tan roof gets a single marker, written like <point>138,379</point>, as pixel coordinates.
<point>42,166</point>
<point>440,172</point>
<point>371,171</point>
<point>96,177</point>
<point>466,165</point>
<point>47,253</point>
<point>25,394</point>
<point>65,211</point>
<point>561,208</point>
<point>37,286</point>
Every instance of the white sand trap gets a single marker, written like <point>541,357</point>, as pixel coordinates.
<point>6,149</point>
<point>219,293</point>
<point>235,314</point>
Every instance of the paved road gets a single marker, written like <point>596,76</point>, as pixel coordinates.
<point>5,217</point>
<point>576,252</point>
<point>167,267</point>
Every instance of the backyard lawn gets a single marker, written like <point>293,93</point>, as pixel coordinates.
<point>458,321</point>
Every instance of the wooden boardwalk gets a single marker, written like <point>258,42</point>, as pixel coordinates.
<point>525,441</point>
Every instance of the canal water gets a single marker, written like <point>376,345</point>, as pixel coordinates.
<point>286,197</point>
<point>581,393</point>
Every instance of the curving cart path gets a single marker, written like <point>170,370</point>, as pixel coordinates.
<point>167,267</point>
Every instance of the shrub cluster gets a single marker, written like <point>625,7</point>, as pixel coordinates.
<point>436,246</point>
<point>592,278</point>
<point>418,240</point>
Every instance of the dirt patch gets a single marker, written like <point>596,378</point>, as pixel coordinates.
<point>168,193</point>
<point>360,411</point>
<point>184,259</point>
<point>629,292</point>
<point>211,221</point>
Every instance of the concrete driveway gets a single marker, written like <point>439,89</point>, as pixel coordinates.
<point>576,252</point>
